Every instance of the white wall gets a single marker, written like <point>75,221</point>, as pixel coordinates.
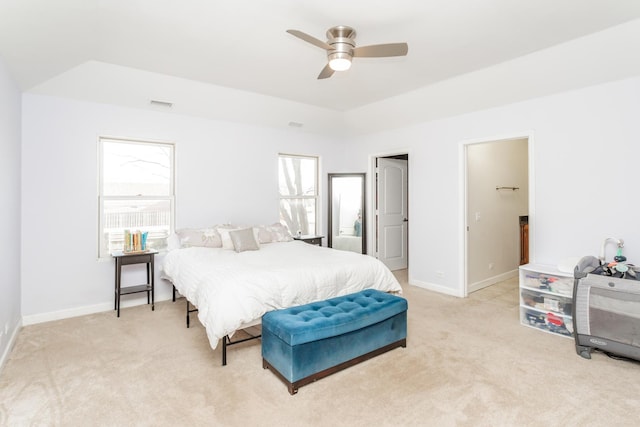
<point>585,166</point>
<point>584,176</point>
<point>586,61</point>
<point>226,172</point>
<point>10,105</point>
<point>113,84</point>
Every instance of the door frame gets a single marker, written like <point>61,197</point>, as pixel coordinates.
<point>462,218</point>
<point>373,200</point>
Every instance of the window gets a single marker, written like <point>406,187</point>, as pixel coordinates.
<point>298,182</point>
<point>136,192</point>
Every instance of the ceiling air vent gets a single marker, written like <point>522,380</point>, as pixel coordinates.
<point>164,104</point>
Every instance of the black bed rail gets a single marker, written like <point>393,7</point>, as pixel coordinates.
<point>226,341</point>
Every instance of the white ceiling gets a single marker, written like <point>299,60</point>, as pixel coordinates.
<point>242,44</point>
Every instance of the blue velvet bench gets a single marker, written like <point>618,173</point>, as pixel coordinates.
<point>305,343</point>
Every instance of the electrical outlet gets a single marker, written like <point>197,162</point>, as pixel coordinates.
<point>440,273</point>
<point>490,266</point>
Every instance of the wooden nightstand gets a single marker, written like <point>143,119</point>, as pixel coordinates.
<point>310,238</point>
<point>134,258</point>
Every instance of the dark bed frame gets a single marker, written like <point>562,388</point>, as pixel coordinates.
<point>226,341</point>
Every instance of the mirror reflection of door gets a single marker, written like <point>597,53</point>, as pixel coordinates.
<point>346,212</point>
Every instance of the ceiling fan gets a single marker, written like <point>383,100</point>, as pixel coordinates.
<point>341,48</point>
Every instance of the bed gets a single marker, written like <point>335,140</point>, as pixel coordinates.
<point>232,289</point>
<point>347,243</point>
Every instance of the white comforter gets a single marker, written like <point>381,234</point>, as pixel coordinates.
<point>233,289</point>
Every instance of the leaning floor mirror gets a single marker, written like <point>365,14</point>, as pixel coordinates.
<point>346,212</point>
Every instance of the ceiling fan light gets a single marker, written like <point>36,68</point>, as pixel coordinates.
<point>340,64</point>
<point>339,61</point>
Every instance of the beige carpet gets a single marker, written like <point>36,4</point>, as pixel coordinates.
<point>468,363</point>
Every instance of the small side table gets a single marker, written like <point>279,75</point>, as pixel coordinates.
<point>123,258</point>
<point>310,238</point>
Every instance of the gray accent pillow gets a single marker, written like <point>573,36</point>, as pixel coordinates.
<point>244,240</point>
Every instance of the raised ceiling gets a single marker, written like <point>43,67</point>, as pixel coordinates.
<point>243,44</point>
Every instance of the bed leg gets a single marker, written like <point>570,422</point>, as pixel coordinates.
<point>174,294</point>
<point>187,312</point>
<point>224,350</point>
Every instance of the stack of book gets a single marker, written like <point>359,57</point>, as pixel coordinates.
<point>135,241</point>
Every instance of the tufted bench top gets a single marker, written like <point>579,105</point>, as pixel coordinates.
<point>332,317</point>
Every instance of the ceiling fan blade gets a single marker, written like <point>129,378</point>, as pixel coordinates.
<point>310,39</point>
<point>326,72</point>
<point>381,50</point>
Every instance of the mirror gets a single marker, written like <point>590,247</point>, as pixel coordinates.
<point>347,226</point>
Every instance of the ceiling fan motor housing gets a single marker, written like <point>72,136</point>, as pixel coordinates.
<point>341,38</point>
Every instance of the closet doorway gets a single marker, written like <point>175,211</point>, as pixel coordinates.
<point>497,201</point>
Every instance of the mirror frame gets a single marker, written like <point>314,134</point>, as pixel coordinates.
<point>363,177</point>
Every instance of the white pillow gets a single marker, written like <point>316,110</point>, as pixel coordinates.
<point>173,242</point>
<point>204,237</point>
<point>272,233</point>
<point>227,243</point>
<point>262,234</point>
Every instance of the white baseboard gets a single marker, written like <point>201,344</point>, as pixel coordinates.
<point>9,347</point>
<point>492,281</point>
<point>65,314</point>
<point>435,288</point>
<point>83,311</point>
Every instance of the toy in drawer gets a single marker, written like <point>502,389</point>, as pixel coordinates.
<point>547,321</point>
<point>546,301</point>
<point>549,282</point>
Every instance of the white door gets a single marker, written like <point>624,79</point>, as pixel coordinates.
<point>392,212</point>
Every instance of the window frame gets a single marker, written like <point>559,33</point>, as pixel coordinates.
<point>103,198</point>
<point>316,197</point>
